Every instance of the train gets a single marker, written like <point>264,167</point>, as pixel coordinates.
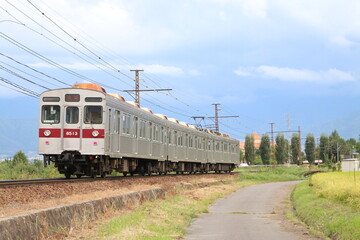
<point>86,131</point>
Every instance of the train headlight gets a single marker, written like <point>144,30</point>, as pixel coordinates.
<point>47,133</point>
<point>95,133</point>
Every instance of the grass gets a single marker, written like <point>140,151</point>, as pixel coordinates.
<point>342,187</point>
<point>27,170</point>
<point>275,174</point>
<point>170,217</point>
<point>333,218</point>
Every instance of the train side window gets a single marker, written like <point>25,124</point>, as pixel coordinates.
<point>156,131</point>
<point>72,115</point>
<point>196,142</point>
<point>170,136</point>
<point>142,127</point>
<point>151,131</point>
<point>125,122</point>
<point>93,115</point>
<point>50,114</point>
<point>136,127</point>
<point>163,135</point>
<point>117,121</point>
<point>176,138</point>
<point>180,141</point>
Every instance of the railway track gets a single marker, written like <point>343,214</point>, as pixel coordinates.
<point>24,182</point>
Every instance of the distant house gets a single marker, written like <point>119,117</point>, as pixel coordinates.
<point>257,141</point>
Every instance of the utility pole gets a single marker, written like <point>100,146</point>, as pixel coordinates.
<point>299,147</point>
<point>137,87</point>
<point>217,129</point>
<point>288,118</point>
<point>272,132</point>
<point>216,116</point>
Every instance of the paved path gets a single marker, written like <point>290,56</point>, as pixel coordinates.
<point>255,212</point>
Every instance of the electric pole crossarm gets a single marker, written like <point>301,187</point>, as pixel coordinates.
<point>224,117</point>
<point>137,87</point>
<point>148,90</point>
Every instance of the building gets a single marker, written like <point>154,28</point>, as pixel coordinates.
<point>350,164</point>
<point>257,141</point>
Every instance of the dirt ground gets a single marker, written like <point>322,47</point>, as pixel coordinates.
<point>24,199</point>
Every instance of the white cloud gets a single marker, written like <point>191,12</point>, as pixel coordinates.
<point>243,72</point>
<point>152,68</point>
<point>253,8</point>
<point>332,19</point>
<point>194,72</point>
<point>162,69</point>
<point>330,76</point>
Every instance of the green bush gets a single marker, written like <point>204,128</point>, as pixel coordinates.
<point>21,168</point>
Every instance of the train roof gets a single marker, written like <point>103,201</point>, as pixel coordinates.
<point>96,87</point>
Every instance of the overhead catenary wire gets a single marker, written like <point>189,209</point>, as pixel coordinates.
<point>53,63</point>
<point>26,90</point>
<point>19,76</point>
<point>79,42</point>
<point>17,90</point>
<point>19,70</point>
<point>149,78</point>
<point>33,69</point>
<point>169,94</point>
<point>69,45</point>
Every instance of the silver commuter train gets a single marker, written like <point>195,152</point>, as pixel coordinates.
<point>86,131</point>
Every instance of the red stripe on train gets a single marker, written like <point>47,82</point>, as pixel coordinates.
<point>88,133</point>
<point>49,132</point>
<point>71,133</point>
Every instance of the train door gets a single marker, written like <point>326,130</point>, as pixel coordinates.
<point>71,128</point>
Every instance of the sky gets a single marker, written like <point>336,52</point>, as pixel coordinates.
<point>291,62</point>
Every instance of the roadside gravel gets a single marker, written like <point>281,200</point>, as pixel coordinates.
<point>24,199</point>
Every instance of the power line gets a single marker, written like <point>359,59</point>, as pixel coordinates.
<point>67,49</point>
<point>26,90</point>
<point>46,75</point>
<point>19,76</point>
<point>28,73</point>
<point>76,40</point>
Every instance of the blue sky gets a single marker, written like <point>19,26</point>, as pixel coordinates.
<point>260,59</point>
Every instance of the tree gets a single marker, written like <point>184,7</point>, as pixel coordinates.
<point>310,148</point>
<point>295,148</point>
<point>20,158</point>
<point>265,151</point>
<point>324,148</point>
<point>249,149</point>
<point>241,156</point>
<point>280,149</point>
<point>334,146</point>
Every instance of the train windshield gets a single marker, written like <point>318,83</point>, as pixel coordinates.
<point>50,114</point>
<point>72,115</point>
<point>93,114</point>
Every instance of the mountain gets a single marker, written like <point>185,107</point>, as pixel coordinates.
<point>347,126</point>
<point>18,134</point>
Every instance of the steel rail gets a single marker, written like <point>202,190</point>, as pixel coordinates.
<point>24,182</point>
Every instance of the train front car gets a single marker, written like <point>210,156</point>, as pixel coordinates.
<point>72,129</point>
